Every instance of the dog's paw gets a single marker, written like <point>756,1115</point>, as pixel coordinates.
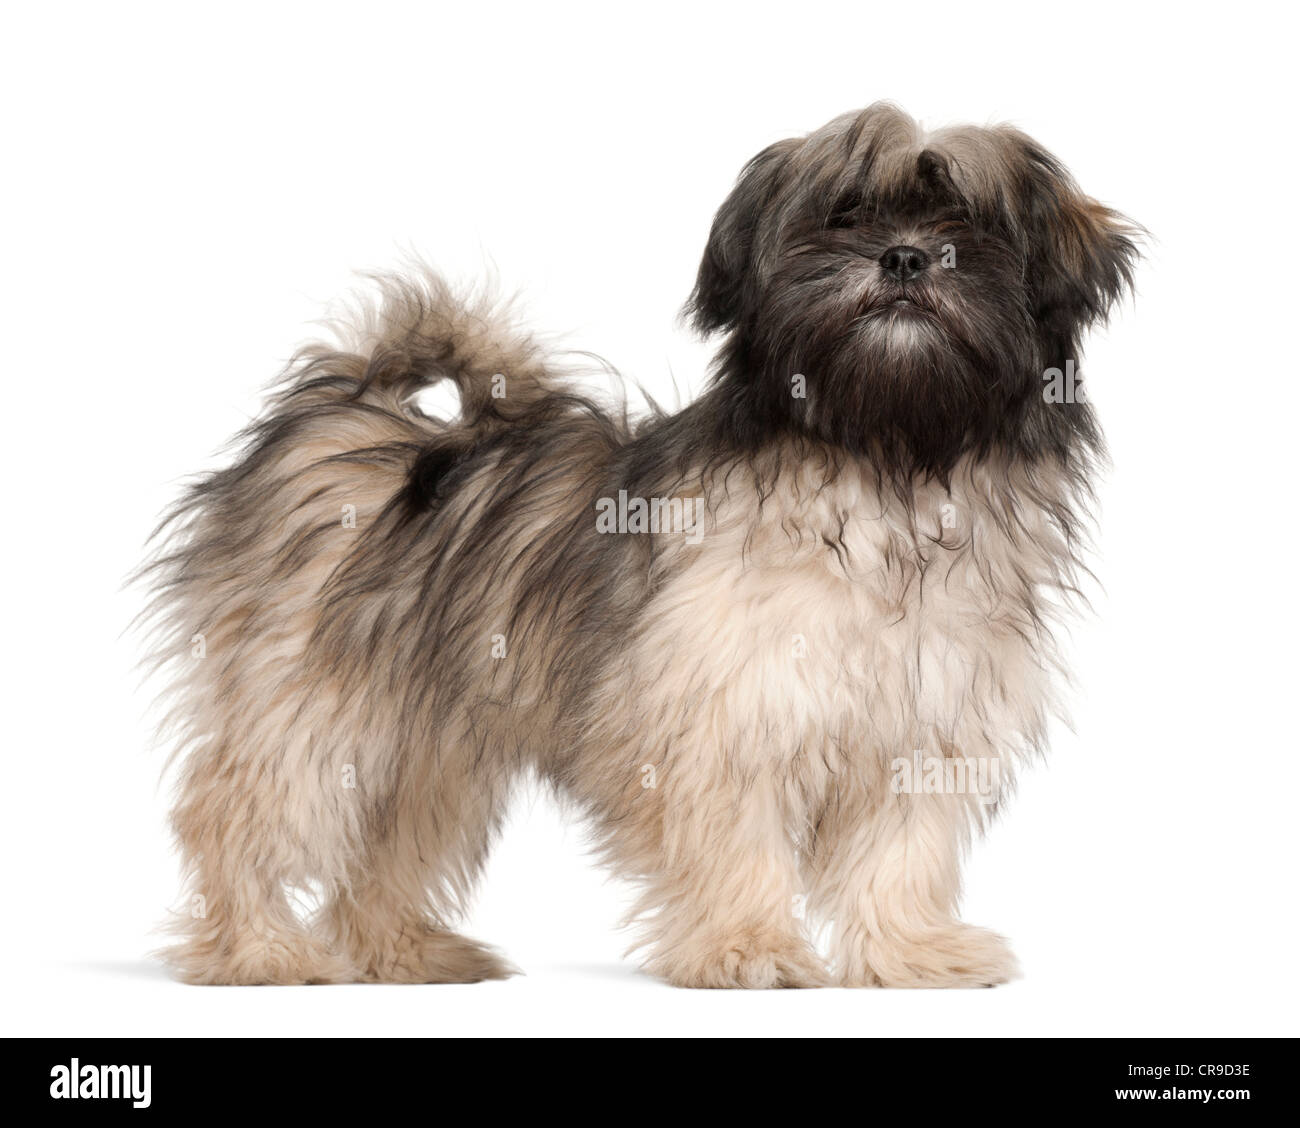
<point>430,955</point>
<point>955,955</point>
<point>750,960</point>
<point>253,960</point>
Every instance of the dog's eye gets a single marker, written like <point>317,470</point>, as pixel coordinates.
<point>846,213</point>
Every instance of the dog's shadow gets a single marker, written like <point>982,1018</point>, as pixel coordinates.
<point>623,973</point>
<point>154,970</point>
<point>129,969</point>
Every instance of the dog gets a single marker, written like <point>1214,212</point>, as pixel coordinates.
<point>783,648</point>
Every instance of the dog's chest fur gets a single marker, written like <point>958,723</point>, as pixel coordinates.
<point>842,622</point>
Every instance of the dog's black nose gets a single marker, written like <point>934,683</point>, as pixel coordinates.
<point>904,263</point>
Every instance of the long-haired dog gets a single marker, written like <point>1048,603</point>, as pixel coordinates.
<point>784,648</point>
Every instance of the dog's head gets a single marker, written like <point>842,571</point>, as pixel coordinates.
<point>901,295</point>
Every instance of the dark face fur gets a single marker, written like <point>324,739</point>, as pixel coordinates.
<point>920,285</point>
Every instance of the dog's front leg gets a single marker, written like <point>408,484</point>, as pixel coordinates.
<point>886,872</point>
<point>721,904</point>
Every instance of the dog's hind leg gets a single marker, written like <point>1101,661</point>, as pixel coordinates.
<point>391,918</point>
<point>384,924</point>
<point>242,931</point>
<point>246,832</point>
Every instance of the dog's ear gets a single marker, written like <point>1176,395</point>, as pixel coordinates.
<point>1081,254</point>
<point>719,292</point>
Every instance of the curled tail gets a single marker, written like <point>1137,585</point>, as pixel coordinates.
<point>418,333</point>
<point>338,442</point>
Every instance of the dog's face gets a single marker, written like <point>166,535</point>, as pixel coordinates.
<point>919,285</point>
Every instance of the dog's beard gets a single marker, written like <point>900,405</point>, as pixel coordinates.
<point>914,375</point>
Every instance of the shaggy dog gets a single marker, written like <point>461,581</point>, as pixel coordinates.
<point>784,648</point>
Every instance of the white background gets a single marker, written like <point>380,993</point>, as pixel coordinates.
<point>183,193</point>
